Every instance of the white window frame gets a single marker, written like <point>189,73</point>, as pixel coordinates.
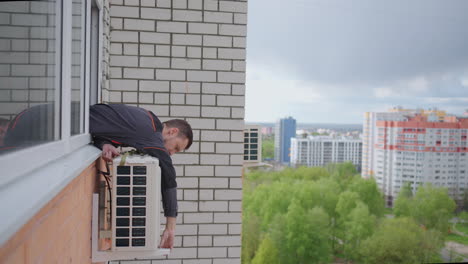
<point>18,164</point>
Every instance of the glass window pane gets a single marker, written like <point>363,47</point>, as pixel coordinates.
<point>77,81</point>
<point>253,152</point>
<point>254,134</point>
<point>253,140</point>
<point>28,93</point>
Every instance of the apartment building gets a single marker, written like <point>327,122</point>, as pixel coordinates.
<point>285,129</point>
<point>318,151</point>
<point>416,146</point>
<point>178,58</point>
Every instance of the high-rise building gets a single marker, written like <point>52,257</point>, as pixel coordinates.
<point>320,150</point>
<point>285,129</point>
<point>252,144</point>
<point>416,146</point>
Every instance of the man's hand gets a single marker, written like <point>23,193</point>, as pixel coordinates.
<point>167,239</point>
<point>109,152</point>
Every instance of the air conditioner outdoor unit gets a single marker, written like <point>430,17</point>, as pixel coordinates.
<point>135,210</point>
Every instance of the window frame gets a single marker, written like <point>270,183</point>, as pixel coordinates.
<point>17,164</point>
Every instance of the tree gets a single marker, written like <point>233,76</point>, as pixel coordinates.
<point>402,205</point>
<point>399,240</point>
<point>433,207</point>
<point>250,236</point>
<point>463,217</point>
<point>268,148</point>
<point>347,201</point>
<point>267,253</point>
<point>465,200</point>
<point>370,194</point>
<point>359,226</point>
<point>342,173</point>
<point>307,235</point>
<point>406,191</point>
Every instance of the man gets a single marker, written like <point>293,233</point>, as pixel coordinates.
<point>123,125</point>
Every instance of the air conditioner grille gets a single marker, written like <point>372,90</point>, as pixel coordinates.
<point>123,180</point>
<point>123,170</point>
<point>136,196</point>
<point>122,242</point>
<point>139,190</point>
<point>139,170</point>
<point>122,232</point>
<point>123,211</point>
<point>138,232</point>
<point>139,180</point>
<point>123,222</point>
<point>123,190</point>
<point>139,201</point>
<point>138,242</point>
<point>136,211</point>
<point>123,201</point>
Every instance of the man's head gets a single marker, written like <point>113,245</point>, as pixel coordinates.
<point>177,135</point>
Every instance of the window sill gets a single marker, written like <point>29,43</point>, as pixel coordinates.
<point>27,195</point>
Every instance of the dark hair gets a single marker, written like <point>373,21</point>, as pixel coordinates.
<point>185,129</point>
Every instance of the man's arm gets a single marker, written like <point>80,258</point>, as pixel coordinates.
<point>169,194</point>
<point>109,152</point>
<point>167,239</point>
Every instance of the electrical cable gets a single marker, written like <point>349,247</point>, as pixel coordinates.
<point>109,188</point>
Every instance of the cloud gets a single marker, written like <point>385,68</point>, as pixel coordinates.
<point>383,92</point>
<point>332,60</point>
<point>418,84</point>
<point>464,81</point>
<point>363,41</point>
<point>274,92</point>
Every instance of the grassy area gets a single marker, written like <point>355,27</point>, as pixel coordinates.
<point>462,227</point>
<point>457,238</point>
<point>388,210</point>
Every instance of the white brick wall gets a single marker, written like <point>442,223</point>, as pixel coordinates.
<point>186,59</point>
<point>27,56</point>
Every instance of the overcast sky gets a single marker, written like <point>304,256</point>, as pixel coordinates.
<point>327,61</point>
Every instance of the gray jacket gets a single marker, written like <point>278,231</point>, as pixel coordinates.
<point>123,125</point>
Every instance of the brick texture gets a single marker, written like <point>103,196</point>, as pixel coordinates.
<point>186,59</point>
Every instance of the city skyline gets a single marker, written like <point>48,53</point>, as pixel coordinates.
<point>354,58</point>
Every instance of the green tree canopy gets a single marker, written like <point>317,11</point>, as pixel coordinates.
<point>433,207</point>
<point>359,226</point>
<point>430,206</point>
<point>399,240</point>
<point>266,253</point>
<point>307,235</point>
<point>370,194</point>
<point>347,201</point>
<point>268,148</point>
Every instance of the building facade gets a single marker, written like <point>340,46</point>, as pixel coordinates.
<point>320,150</point>
<point>178,58</point>
<point>285,129</point>
<point>252,144</point>
<point>416,147</point>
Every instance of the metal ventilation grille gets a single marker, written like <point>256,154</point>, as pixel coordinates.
<point>131,206</point>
